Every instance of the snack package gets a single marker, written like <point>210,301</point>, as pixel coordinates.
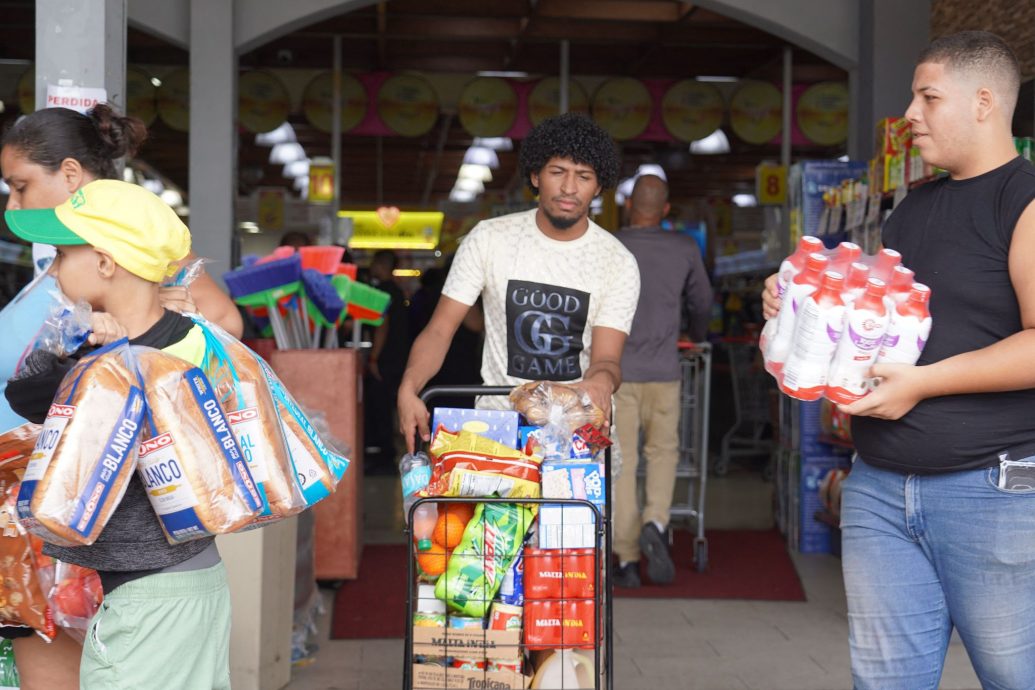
<point>191,465</point>
<point>86,451</point>
<point>22,602</point>
<point>491,541</point>
<point>317,467</point>
<point>19,442</point>
<point>241,388</point>
<point>466,464</point>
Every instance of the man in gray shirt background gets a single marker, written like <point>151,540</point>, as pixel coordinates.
<point>672,277</point>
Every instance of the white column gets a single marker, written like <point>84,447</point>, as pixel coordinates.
<point>84,42</point>
<point>213,134</point>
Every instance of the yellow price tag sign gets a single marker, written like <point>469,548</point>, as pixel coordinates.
<point>771,185</point>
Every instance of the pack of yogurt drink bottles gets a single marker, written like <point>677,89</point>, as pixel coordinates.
<point>841,312</point>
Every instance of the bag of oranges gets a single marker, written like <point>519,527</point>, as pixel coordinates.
<point>449,530</point>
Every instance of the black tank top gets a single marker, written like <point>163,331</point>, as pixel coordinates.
<point>956,235</point>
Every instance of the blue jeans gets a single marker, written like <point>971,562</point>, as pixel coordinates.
<point>924,553</point>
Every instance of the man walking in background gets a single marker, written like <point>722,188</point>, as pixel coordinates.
<point>672,277</point>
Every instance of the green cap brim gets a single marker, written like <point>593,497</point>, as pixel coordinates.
<point>40,225</point>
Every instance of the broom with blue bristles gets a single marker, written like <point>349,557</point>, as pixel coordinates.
<point>264,285</point>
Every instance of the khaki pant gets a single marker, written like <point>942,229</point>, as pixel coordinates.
<point>654,408</point>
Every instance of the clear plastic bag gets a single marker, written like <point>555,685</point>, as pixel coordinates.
<point>74,594</point>
<point>22,600</point>
<point>560,410</point>
<point>86,451</point>
<point>190,463</point>
<point>243,391</point>
<point>66,328</point>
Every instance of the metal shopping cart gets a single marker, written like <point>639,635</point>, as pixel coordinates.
<point>580,606</point>
<point>694,407</point>
<point>751,401</point>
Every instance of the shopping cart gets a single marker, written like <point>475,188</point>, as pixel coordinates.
<point>751,402</point>
<point>473,650</point>
<point>694,406</point>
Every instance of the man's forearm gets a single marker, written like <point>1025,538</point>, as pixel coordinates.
<point>1008,365</point>
<point>605,371</point>
<point>426,357</point>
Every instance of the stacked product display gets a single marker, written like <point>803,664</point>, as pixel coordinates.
<point>842,312</point>
<point>508,586</point>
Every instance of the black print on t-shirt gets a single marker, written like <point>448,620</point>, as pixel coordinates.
<point>545,325</point>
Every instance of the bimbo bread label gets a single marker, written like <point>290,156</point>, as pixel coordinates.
<point>57,419</point>
<point>168,490</point>
<point>247,426</point>
<point>117,452</point>
<point>217,423</point>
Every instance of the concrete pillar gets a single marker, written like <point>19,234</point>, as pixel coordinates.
<point>213,134</point>
<point>84,42</point>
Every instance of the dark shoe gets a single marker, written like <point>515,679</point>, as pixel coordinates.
<point>660,568</point>
<point>628,575</point>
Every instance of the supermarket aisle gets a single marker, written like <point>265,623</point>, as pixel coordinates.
<point>683,644</point>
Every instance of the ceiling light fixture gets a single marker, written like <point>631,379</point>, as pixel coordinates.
<point>480,155</point>
<point>652,169</point>
<point>745,200</point>
<point>714,143</point>
<point>495,143</point>
<point>296,169</point>
<point>466,184</point>
<point>288,152</point>
<point>482,173</point>
<point>281,135</point>
<point>461,197</point>
<point>718,79</point>
<point>506,74</point>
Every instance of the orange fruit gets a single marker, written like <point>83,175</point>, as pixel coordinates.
<point>449,530</point>
<point>433,561</point>
<point>464,511</point>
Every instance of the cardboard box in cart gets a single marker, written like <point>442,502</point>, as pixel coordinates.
<point>474,645</point>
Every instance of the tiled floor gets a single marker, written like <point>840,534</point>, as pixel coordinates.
<point>683,644</point>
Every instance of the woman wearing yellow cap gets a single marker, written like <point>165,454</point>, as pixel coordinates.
<point>46,157</point>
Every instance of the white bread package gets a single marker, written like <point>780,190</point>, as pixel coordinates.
<point>319,469</point>
<point>191,465</point>
<point>86,451</point>
<point>241,388</point>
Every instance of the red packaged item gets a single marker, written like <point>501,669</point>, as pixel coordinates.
<point>22,603</point>
<point>74,595</point>
<point>560,624</point>
<point>559,573</point>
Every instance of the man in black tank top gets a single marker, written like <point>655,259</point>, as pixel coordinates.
<point>938,513</point>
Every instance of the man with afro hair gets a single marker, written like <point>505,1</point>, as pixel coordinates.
<point>559,291</point>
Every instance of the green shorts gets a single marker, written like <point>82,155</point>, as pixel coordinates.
<point>166,631</point>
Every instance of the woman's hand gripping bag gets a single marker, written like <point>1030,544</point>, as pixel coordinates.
<point>191,465</point>
<point>241,388</point>
<point>86,451</point>
<point>317,467</point>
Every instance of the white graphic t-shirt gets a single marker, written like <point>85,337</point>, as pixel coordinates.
<point>542,297</point>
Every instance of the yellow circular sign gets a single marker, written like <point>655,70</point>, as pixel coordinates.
<point>407,105</point>
<point>545,99</point>
<point>263,103</point>
<point>622,106</point>
<point>692,110</point>
<point>27,91</point>
<point>488,106</point>
<point>140,95</point>
<point>823,113</point>
<point>756,112</point>
<point>174,100</point>
<point>318,101</point>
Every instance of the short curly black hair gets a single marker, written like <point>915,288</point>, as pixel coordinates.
<point>571,136</point>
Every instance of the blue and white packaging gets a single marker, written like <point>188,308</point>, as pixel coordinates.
<point>512,591</point>
<point>580,450</point>
<point>499,425</point>
<point>583,480</point>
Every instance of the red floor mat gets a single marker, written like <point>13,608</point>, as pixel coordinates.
<point>742,564</point>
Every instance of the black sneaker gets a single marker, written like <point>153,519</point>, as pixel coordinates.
<point>627,575</point>
<point>660,568</point>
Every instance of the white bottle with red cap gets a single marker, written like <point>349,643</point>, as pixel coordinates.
<point>791,266</point>
<point>901,284</point>
<point>817,332</point>
<point>778,348</point>
<point>844,256</point>
<point>885,263</point>
<point>855,282</point>
<point>909,329</point>
<point>866,323</point>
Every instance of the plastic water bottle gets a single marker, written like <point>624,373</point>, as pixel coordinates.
<point>901,284</point>
<point>855,282</point>
<point>909,329</point>
<point>817,332</point>
<point>424,518</point>
<point>886,261</point>
<point>844,256</point>
<point>866,323</point>
<point>791,266</point>
<point>778,348</point>
<point>415,471</point>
